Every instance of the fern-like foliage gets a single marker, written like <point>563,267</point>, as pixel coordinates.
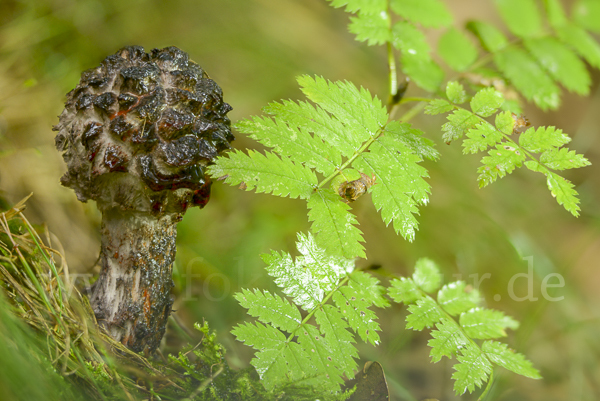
<point>535,62</point>
<point>458,321</point>
<point>310,350</point>
<point>541,150</point>
<point>344,129</point>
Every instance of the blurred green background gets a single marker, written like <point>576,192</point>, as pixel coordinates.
<point>254,49</point>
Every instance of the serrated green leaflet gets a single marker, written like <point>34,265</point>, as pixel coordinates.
<point>356,312</point>
<point>502,160</point>
<point>424,313</point>
<point>429,13</point>
<point>270,309</point>
<point>485,324</point>
<point>472,370</point>
<point>316,120</point>
<point>458,123</point>
<point>491,38</point>
<point>455,298</point>
<point>586,14</point>
<point>583,43</point>
<point>543,138</point>
<point>564,192</point>
<point>486,102</point>
<point>425,72</point>
<point>334,330</point>
<point>562,159</point>
<point>555,12</point>
<point>528,77</point>
<point>505,122</point>
<point>399,183</point>
<point>334,224</point>
<point>427,275</point>
<point>404,290</point>
<point>457,50</point>
<point>560,62</point>
<point>365,6</point>
<point>267,173</point>
<point>522,17</point>
<point>501,355</point>
<point>355,107</point>
<point>483,136</point>
<point>290,141</point>
<point>370,28</point>
<point>413,139</point>
<point>438,106</point>
<point>447,340</point>
<point>456,92</point>
<point>407,38</point>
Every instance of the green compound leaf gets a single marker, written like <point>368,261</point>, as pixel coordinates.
<point>360,112</point>
<point>427,275</point>
<point>456,92</point>
<point>287,140</point>
<point>334,225</point>
<point>316,120</point>
<point>424,313</point>
<point>404,290</point>
<point>501,161</point>
<point>563,159</point>
<point>270,309</point>
<point>457,50</point>
<point>564,192</point>
<point>490,37</point>
<point>560,62</point>
<point>522,17</point>
<point>483,136</point>
<point>555,13</point>
<point>429,13</point>
<point>528,77</point>
<point>485,324</point>
<point>413,139</point>
<point>486,102</point>
<point>455,298</point>
<point>334,330</point>
<point>372,28</point>
<point>407,38</point>
<point>472,370</point>
<point>365,6</point>
<point>438,106</point>
<point>586,14</point>
<point>501,355</point>
<point>447,340</point>
<point>459,122</point>
<point>542,139</point>
<point>583,43</point>
<point>267,173</point>
<point>400,183</point>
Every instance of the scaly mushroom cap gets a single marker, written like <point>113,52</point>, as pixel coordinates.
<point>139,130</point>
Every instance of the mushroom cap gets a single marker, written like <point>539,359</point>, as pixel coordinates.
<point>138,131</point>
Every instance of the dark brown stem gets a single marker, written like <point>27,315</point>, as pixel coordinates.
<point>132,297</point>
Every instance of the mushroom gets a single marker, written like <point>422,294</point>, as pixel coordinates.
<point>137,133</point>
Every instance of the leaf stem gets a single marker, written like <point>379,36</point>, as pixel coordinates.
<point>488,387</point>
<point>318,307</point>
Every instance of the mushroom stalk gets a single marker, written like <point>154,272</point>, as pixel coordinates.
<point>132,296</point>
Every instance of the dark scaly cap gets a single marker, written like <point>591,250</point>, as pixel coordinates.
<point>138,131</point>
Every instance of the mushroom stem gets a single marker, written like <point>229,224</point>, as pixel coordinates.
<point>132,296</point>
